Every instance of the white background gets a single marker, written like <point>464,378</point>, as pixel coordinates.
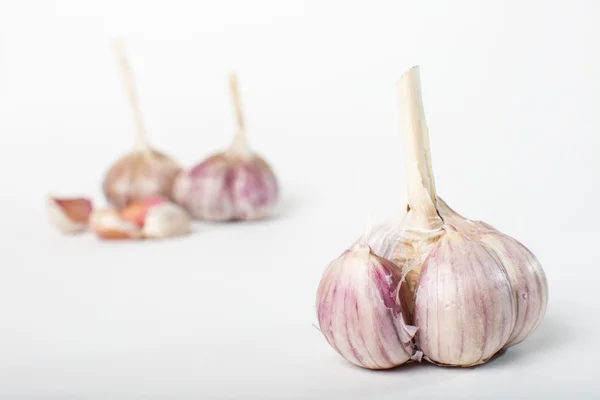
<point>512,97</point>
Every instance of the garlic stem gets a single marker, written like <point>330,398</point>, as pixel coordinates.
<point>239,145</point>
<point>140,138</point>
<point>420,191</point>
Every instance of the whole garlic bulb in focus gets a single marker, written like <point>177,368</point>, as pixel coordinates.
<point>144,171</point>
<point>232,185</point>
<point>471,289</point>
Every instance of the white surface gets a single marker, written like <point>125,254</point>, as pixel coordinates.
<point>512,98</point>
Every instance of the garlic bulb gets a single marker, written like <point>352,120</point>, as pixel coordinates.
<point>233,185</point>
<point>70,215</point>
<point>471,289</point>
<point>144,171</point>
<point>361,310</point>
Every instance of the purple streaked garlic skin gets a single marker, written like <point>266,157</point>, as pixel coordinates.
<point>138,175</point>
<point>464,304</point>
<point>228,187</point>
<point>528,280</point>
<point>361,310</point>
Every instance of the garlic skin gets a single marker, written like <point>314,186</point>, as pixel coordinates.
<point>236,184</point>
<point>144,171</point>
<point>69,215</point>
<point>361,311</point>
<point>528,280</point>
<point>138,175</point>
<point>166,220</point>
<point>464,304</point>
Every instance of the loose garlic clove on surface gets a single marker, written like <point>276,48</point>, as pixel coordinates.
<point>464,305</point>
<point>143,172</point>
<point>166,220</point>
<point>233,185</point>
<point>69,215</point>
<point>137,211</point>
<point>471,289</point>
<point>107,224</point>
<point>361,310</point>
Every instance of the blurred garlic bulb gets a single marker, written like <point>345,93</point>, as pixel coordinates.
<point>144,171</point>
<point>233,185</point>
<point>361,310</point>
<point>471,289</point>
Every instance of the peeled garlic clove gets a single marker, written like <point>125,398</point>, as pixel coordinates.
<point>107,224</point>
<point>143,172</point>
<point>361,311</point>
<point>464,305</point>
<point>166,220</point>
<point>69,215</point>
<point>233,185</point>
<point>136,212</point>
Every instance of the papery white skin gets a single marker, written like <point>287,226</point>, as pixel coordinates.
<point>361,313</point>
<point>528,280</point>
<point>166,220</point>
<point>464,305</point>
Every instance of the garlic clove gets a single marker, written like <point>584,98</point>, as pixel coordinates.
<point>527,278</point>
<point>464,305</point>
<point>361,310</point>
<point>232,185</point>
<point>143,172</point>
<point>166,220</point>
<point>136,212</point>
<point>69,215</point>
<point>528,281</point>
<point>107,224</point>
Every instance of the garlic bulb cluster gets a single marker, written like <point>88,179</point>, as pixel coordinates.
<point>470,289</point>
<point>144,171</point>
<point>233,185</point>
